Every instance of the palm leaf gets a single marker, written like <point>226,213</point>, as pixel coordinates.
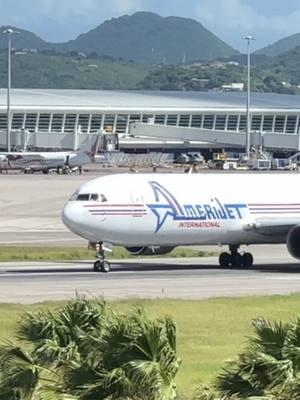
<point>19,371</point>
<point>270,337</point>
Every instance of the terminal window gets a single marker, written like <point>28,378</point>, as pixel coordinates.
<point>291,124</point>
<point>96,122</point>
<point>232,122</point>
<point>17,121</point>
<point>196,121</point>
<point>220,122</point>
<point>122,120</point>
<point>160,119</point>
<point>30,122</point>
<point>172,119</point>
<point>184,120</point>
<point>44,122</point>
<point>256,123</point>
<point>242,123</point>
<point>208,122</point>
<point>83,123</point>
<point>135,117</point>
<point>57,122</point>
<point>70,123</point>
<point>3,121</point>
<point>268,123</point>
<point>109,122</point>
<point>147,117</point>
<point>279,123</point>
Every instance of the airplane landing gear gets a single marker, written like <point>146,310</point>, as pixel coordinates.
<point>101,265</point>
<point>234,259</point>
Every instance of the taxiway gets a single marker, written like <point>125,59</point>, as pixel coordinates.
<point>156,278</point>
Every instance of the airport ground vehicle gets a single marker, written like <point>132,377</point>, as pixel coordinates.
<point>190,158</point>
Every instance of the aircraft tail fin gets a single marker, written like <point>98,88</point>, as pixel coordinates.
<point>95,147</point>
<point>90,149</point>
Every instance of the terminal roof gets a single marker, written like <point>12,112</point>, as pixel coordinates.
<point>139,100</point>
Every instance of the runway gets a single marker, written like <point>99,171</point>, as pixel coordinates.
<point>158,278</point>
<point>30,209</point>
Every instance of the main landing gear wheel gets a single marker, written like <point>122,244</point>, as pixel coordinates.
<point>101,266</point>
<point>225,260</point>
<point>234,259</point>
<point>247,259</point>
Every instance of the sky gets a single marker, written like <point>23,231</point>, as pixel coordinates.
<point>62,20</point>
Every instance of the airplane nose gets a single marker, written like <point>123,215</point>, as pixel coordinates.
<point>71,217</point>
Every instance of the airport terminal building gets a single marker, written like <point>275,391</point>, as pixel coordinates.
<point>61,119</point>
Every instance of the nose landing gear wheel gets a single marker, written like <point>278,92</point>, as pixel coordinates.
<point>97,266</point>
<point>105,266</point>
<point>101,266</point>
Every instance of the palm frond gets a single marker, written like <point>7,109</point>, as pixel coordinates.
<point>19,371</point>
<point>50,392</point>
<point>170,327</point>
<point>291,349</point>
<point>233,383</point>
<point>270,337</point>
<point>206,393</point>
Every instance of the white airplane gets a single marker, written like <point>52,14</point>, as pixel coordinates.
<point>44,161</point>
<point>153,213</point>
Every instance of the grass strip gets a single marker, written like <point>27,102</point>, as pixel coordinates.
<point>38,253</point>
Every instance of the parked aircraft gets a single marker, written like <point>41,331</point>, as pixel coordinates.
<point>60,161</point>
<point>153,213</point>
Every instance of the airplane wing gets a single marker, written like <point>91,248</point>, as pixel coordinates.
<point>272,226</point>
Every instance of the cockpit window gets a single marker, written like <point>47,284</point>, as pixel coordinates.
<point>87,197</point>
<point>74,196</point>
<point>83,197</point>
<point>103,198</point>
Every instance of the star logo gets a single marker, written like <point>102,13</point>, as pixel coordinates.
<point>166,205</point>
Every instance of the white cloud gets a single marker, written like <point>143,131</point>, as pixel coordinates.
<point>127,6</point>
<point>89,7</point>
<point>234,17</point>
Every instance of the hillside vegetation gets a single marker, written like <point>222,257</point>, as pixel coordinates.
<point>278,76</point>
<point>61,72</point>
<point>35,70</point>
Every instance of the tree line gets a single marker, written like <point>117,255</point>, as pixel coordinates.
<point>85,350</point>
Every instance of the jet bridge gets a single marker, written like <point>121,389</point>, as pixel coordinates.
<point>268,140</point>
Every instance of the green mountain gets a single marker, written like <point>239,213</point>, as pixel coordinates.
<point>281,46</point>
<point>22,40</point>
<point>61,72</point>
<point>285,67</point>
<point>148,38</point>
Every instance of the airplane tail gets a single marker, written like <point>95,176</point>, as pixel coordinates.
<point>94,149</point>
<point>90,149</point>
<point>84,155</point>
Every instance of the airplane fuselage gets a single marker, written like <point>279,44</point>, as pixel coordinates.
<point>39,161</point>
<point>184,209</point>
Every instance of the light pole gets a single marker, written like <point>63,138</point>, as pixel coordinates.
<point>248,126</point>
<point>9,32</point>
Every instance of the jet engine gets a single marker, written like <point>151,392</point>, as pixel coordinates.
<point>293,242</point>
<point>150,250</point>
